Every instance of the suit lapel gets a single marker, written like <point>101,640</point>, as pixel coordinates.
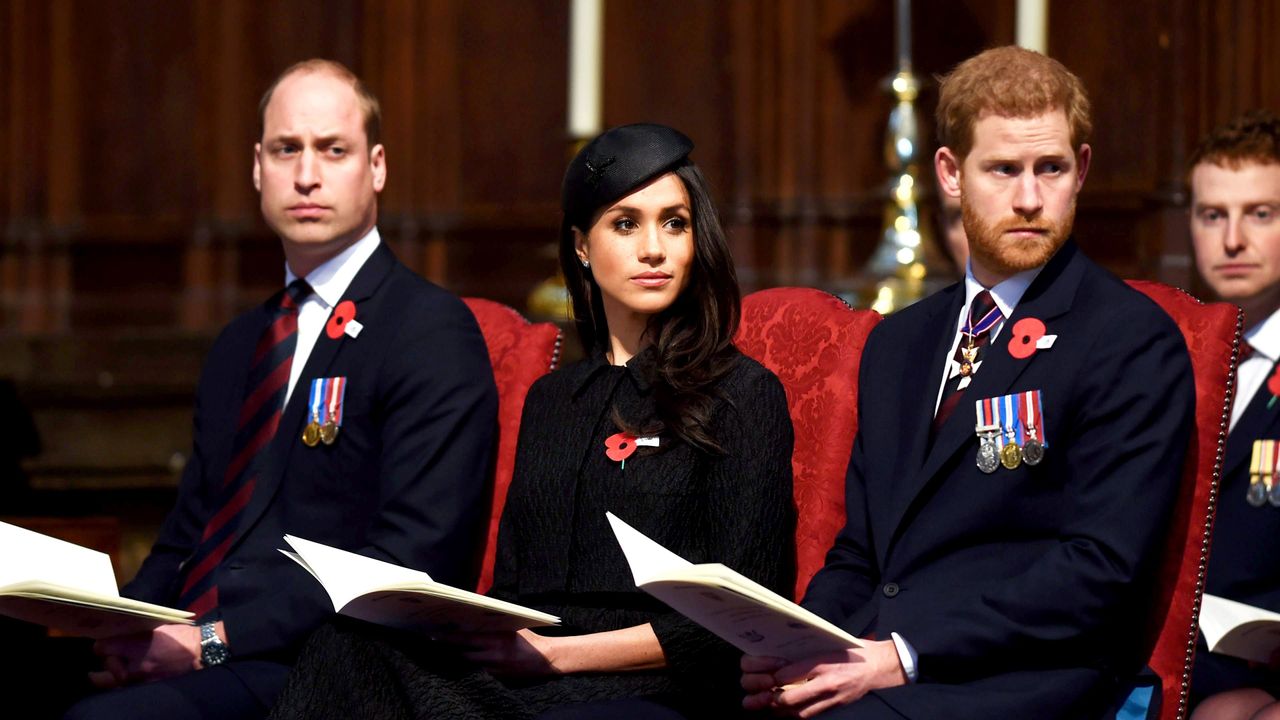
<point>287,438</point>
<point>1048,298</point>
<point>1258,421</point>
<point>915,405</point>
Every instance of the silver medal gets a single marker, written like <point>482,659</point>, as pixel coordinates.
<point>1257,495</point>
<point>988,454</point>
<point>1273,495</point>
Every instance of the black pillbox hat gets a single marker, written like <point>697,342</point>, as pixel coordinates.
<point>615,163</point>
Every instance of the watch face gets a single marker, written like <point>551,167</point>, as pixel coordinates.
<point>212,650</point>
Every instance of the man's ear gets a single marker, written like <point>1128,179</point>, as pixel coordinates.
<point>947,167</point>
<point>257,167</point>
<point>378,162</point>
<point>1083,156</point>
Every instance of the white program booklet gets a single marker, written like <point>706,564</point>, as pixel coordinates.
<point>388,594</point>
<point>752,617</point>
<point>62,585</point>
<point>1240,630</point>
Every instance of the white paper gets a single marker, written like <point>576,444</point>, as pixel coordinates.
<point>31,556</point>
<point>1240,630</point>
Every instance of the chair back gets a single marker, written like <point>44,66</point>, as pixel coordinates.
<point>813,342</point>
<point>1212,333</point>
<point>520,352</point>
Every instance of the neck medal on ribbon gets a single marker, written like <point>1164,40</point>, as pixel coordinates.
<point>971,331</point>
<point>1010,431</point>
<point>1263,467</point>
<point>325,411</point>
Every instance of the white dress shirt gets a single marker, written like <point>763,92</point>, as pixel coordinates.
<point>328,283</point>
<point>1265,340</point>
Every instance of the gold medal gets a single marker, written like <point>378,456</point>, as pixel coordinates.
<point>1011,456</point>
<point>328,433</point>
<point>311,434</point>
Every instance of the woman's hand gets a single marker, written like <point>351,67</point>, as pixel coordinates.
<point>515,654</point>
<point>527,654</point>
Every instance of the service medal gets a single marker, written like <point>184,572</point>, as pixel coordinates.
<point>1033,448</point>
<point>1032,452</point>
<point>988,455</point>
<point>1257,495</point>
<point>1011,456</point>
<point>1273,494</point>
<point>968,355</point>
<point>328,433</point>
<point>1262,468</point>
<point>311,434</point>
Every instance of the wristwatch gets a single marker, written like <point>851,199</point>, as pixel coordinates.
<point>212,650</point>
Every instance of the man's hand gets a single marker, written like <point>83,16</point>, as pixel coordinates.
<point>167,651</point>
<point>813,685</point>
<point>514,654</point>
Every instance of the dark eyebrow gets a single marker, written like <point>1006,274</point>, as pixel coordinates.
<point>663,211</point>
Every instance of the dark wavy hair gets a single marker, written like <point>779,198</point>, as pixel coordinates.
<point>693,338</point>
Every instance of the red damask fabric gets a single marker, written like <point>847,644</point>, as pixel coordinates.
<point>813,342</point>
<point>520,352</point>
<point>1212,334</point>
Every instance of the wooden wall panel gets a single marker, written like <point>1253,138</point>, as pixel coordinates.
<point>127,126</point>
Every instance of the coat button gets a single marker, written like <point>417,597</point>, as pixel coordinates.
<point>890,589</point>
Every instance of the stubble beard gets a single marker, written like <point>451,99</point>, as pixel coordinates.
<point>1004,256</point>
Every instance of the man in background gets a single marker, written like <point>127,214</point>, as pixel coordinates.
<point>356,408</point>
<point>1235,232</point>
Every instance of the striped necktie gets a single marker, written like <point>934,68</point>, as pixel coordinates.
<point>265,389</point>
<point>984,316</point>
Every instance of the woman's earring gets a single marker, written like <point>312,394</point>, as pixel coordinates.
<point>586,263</point>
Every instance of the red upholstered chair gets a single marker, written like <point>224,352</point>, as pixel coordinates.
<point>1212,333</point>
<point>813,342</point>
<point>520,352</point>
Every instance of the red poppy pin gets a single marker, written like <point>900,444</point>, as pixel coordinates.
<point>342,316</point>
<point>619,447</point>
<point>1273,386</point>
<point>1026,336</point>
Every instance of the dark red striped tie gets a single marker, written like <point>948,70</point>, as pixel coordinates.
<point>265,389</point>
<point>982,304</point>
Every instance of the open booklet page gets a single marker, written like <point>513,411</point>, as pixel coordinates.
<point>753,618</point>
<point>398,597</point>
<point>1240,630</point>
<point>71,588</point>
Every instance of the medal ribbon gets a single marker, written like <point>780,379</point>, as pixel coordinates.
<point>992,317</point>
<point>1009,420</point>
<point>986,420</point>
<point>337,391</point>
<point>1274,461</point>
<point>316,400</point>
<point>1035,415</point>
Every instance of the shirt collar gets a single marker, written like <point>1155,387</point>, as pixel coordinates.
<point>1006,294</point>
<point>1265,337</point>
<point>331,279</point>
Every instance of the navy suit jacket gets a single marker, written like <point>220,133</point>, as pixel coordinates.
<point>1022,590</point>
<point>407,480</point>
<point>1244,563</point>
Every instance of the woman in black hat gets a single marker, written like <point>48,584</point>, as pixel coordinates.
<point>665,424</point>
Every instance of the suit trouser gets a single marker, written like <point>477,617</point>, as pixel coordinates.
<point>216,693</point>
